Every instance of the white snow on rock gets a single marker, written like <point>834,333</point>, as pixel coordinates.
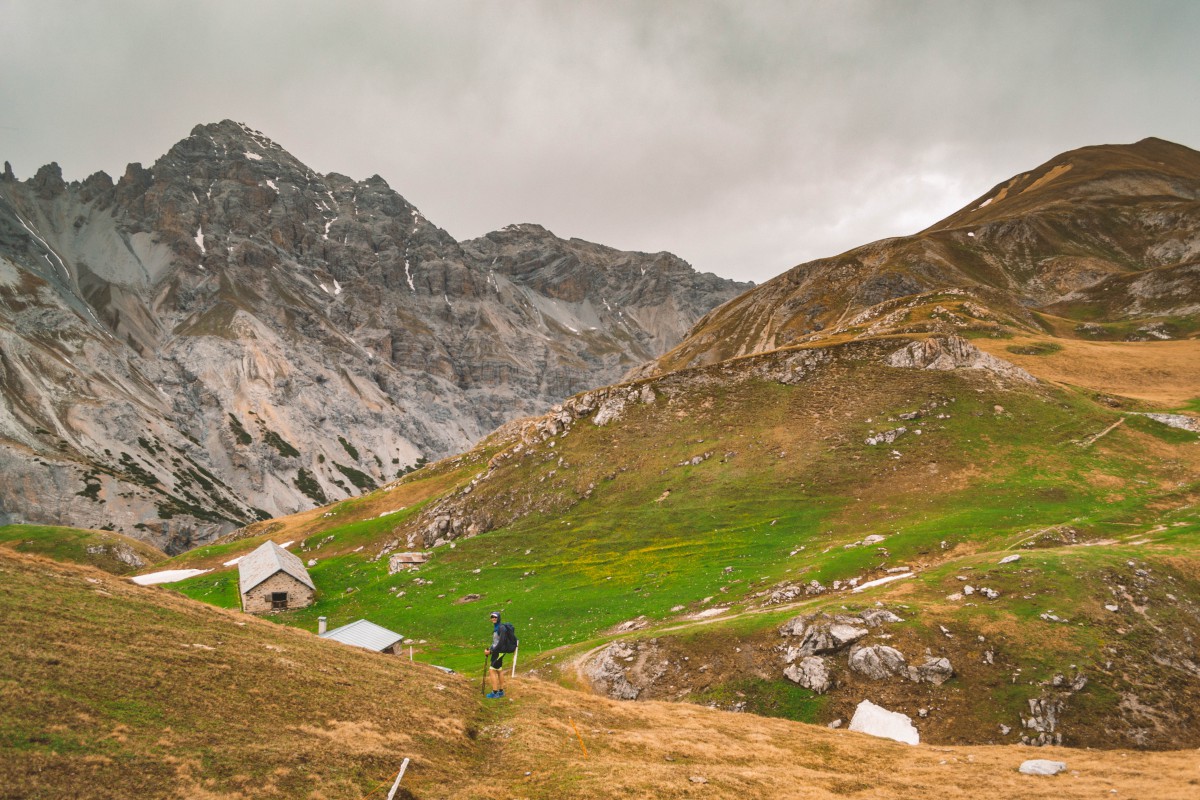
<point>1042,766</point>
<point>167,576</point>
<point>880,581</point>
<point>252,156</point>
<point>876,720</point>
<point>200,239</point>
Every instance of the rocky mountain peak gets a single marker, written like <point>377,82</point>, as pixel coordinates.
<point>237,336</point>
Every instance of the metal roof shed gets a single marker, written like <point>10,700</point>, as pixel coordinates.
<point>368,635</point>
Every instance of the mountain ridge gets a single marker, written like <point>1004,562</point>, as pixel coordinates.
<point>236,336</point>
<point>1097,243</point>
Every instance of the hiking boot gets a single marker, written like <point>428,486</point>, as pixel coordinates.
<point>494,695</point>
<point>500,693</point>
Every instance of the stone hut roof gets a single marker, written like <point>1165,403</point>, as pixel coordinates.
<point>267,560</point>
<point>361,633</point>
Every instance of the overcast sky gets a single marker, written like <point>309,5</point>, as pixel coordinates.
<point>746,137</point>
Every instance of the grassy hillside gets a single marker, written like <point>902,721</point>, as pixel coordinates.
<point>114,690</point>
<point>717,487</point>
<point>110,551</point>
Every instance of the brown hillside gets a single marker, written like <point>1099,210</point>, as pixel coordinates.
<point>122,691</point>
<point>1101,243</point>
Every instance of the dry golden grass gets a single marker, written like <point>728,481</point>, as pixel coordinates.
<point>114,690</point>
<point>1165,373</point>
<point>655,749</point>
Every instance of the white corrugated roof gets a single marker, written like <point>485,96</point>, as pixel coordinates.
<point>265,562</point>
<point>361,633</point>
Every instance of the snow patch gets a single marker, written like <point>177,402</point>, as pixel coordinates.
<point>167,576</point>
<point>408,275</point>
<point>881,581</point>
<point>200,239</point>
<point>232,561</point>
<point>337,288</point>
<point>876,720</point>
<point>252,156</point>
<point>272,185</point>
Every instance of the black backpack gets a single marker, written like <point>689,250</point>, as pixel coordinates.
<point>508,638</point>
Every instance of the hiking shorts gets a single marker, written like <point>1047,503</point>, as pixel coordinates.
<point>497,660</point>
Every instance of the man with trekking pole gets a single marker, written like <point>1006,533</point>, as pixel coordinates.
<point>503,641</point>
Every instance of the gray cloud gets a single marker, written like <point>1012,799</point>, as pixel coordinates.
<point>744,137</point>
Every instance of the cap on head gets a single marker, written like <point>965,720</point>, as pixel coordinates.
<point>495,615</point>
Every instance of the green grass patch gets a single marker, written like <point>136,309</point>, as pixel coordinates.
<point>1035,349</point>
<point>106,550</point>
<point>240,434</point>
<point>779,698</point>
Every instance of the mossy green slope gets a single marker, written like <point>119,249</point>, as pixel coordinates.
<point>715,487</point>
<point>110,551</point>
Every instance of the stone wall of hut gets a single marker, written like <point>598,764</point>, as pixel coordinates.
<point>258,599</point>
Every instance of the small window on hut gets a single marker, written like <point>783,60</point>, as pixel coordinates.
<point>278,600</point>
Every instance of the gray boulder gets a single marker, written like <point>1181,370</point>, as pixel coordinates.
<point>877,661</point>
<point>935,670</point>
<point>874,617</point>
<point>812,673</point>
<point>794,626</point>
<point>826,638</point>
<point>1041,766</point>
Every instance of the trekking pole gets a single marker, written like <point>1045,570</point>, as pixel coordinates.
<point>483,683</point>
<point>516,650</point>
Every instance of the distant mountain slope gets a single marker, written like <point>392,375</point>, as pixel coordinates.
<point>228,335</point>
<point>1097,243</point>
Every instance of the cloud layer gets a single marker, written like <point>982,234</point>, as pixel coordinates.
<point>744,137</point>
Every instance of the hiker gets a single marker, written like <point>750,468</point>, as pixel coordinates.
<point>496,672</point>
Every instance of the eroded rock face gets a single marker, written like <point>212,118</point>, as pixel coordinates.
<point>607,672</point>
<point>227,335</point>
<point>822,635</point>
<point>954,352</point>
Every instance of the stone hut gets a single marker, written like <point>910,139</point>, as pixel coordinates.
<point>272,579</point>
